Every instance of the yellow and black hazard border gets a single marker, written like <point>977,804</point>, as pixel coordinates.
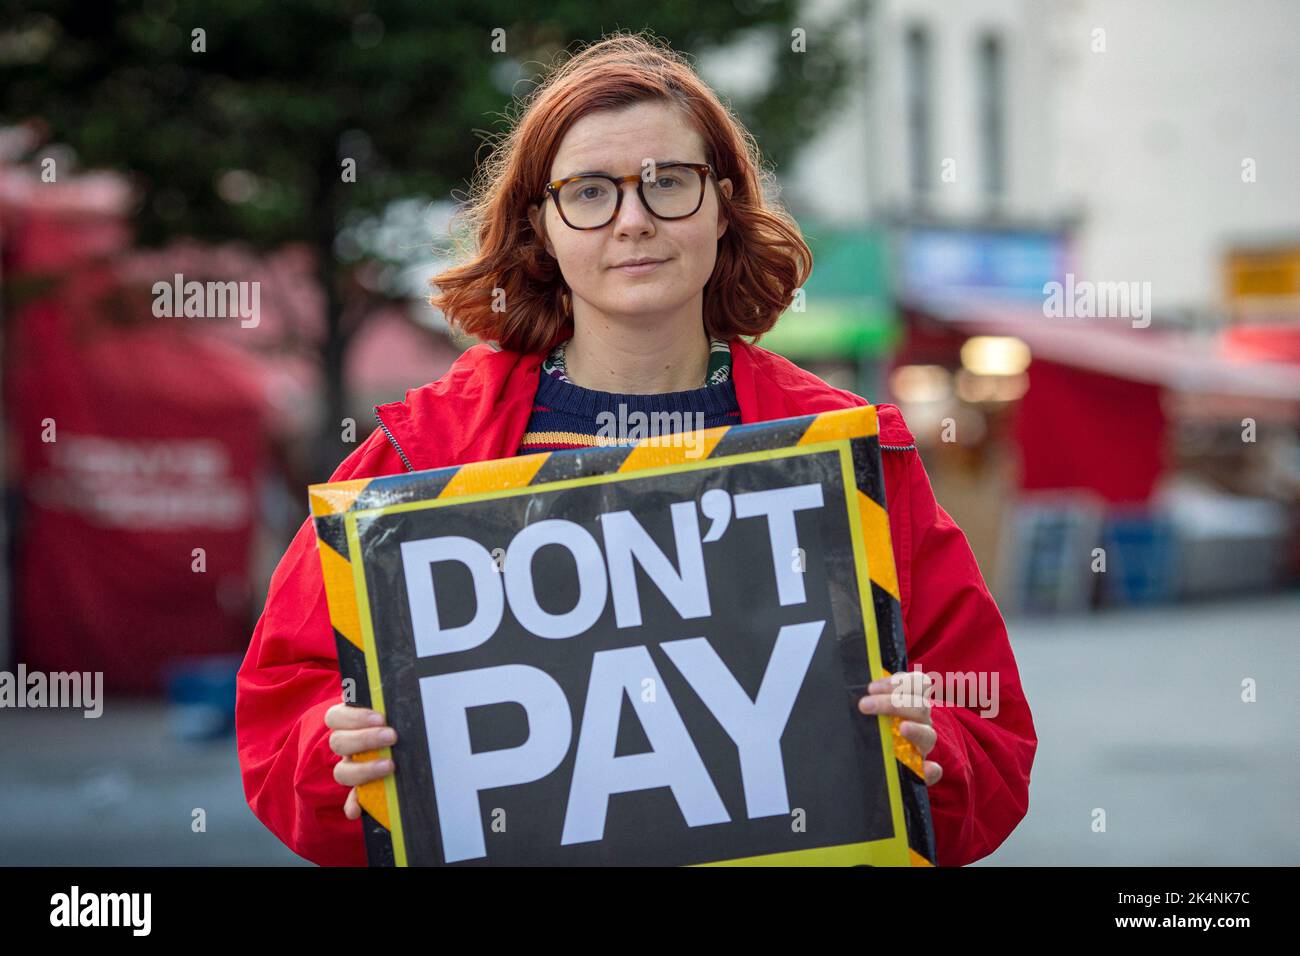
<point>853,432</point>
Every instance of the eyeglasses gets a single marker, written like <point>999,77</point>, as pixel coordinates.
<point>593,200</point>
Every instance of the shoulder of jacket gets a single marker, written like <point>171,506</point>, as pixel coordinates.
<point>379,454</point>
<point>475,361</point>
<point>894,433</point>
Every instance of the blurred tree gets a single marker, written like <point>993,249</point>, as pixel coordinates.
<point>236,116</point>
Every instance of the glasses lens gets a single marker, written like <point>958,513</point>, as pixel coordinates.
<point>674,192</point>
<point>588,202</point>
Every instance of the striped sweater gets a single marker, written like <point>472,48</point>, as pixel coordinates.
<point>566,415</point>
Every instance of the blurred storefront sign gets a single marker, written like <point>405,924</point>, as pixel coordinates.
<point>845,323</point>
<point>1263,283</point>
<point>840,328</point>
<point>1273,342</point>
<point>957,266</point>
<point>1262,286</point>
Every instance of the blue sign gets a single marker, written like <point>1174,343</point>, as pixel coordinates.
<point>940,262</point>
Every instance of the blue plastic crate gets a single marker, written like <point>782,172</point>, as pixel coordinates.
<point>201,691</point>
<point>1141,559</point>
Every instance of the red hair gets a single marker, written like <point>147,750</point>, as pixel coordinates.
<point>762,257</point>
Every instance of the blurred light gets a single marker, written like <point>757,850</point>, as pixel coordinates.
<point>975,388</point>
<point>995,355</point>
<point>236,186</point>
<point>29,41</point>
<point>506,72</point>
<point>920,383</point>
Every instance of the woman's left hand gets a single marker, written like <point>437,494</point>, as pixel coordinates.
<point>907,695</point>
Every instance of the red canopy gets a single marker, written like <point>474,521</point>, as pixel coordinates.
<point>135,541</point>
<point>135,448</point>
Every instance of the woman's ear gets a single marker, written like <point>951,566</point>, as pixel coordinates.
<point>535,217</point>
<point>723,222</point>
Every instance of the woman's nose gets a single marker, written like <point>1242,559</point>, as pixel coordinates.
<point>632,213</point>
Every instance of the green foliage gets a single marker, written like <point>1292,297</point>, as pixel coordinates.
<point>246,138</point>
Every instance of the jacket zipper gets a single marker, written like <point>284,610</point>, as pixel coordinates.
<point>898,448</point>
<point>405,461</point>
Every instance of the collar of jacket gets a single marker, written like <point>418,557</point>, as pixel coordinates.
<point>480,408</point>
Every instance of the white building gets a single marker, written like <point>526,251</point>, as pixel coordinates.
<point>947,123</point>
<point>1178,138</point>
<point>1164,130</point>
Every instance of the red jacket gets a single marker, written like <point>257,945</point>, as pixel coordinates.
<point>479,410</point>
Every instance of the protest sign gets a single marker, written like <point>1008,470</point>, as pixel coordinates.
<point>638,654</point>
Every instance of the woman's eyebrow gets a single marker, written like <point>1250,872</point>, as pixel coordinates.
<point>602,172</point>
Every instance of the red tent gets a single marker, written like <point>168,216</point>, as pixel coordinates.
<point>135,448</point>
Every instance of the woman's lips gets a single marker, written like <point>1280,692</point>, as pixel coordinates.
<point>640,270</point>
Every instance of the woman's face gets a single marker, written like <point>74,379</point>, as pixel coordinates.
<point>622,143</point>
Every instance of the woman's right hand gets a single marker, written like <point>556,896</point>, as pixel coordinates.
<point>357,730</point>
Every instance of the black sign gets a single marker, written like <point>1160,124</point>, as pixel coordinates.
<point>639,668</point>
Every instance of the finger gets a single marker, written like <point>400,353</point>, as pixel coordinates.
<point>353,773</point>
<point>349,717</point>
<point>352,805</point>
<point>922,736</point>
<point>349,742</point>
<point>883,704</point>
<point>914,683</point>
<point>933,772</point>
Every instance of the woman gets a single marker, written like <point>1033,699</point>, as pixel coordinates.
<point>624,247</point>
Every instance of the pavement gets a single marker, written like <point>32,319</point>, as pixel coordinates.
<point>1139,714</point>
<point>123,790</point>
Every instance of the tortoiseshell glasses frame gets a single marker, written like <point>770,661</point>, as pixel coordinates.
<point>553,190</point>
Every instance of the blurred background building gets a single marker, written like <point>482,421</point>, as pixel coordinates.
<point>1063,237</point>
<point>1000,146</point>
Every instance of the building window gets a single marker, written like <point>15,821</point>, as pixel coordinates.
<point>991,84</point>
<point>920,100</point>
